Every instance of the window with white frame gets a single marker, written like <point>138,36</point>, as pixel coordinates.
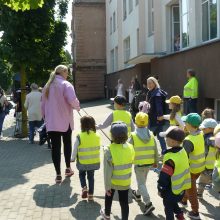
<point>124,9</point>
<point>175,28</point>
<point>136,2</point>
<point>114,22</point>
<point>185,23</point>
<point>209,19</point>
<point>150,17</point>
<point>116,58</point>
<point>110,25</point>
<point>127,49</point>
<point>130,5</point>
<point>112,56</point>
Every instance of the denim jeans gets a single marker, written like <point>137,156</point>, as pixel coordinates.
<point>90,177</point>
<point>32,126</point>
<point>191,106</point>
<point>156,130</point>
<point>2,117</point>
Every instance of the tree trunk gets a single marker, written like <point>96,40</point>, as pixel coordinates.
<point>23,97</point>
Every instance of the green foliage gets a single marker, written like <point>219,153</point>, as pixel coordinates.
<point>23,4</point>
<point>5,75</point>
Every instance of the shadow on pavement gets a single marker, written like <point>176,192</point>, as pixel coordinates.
<point>54,196</point>
<point>18,158</point>
<point>86,210</point>
<point>213,211</point>
<point>152,216</point>
<point>95,103</point>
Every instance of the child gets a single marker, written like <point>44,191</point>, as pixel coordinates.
<point>207,127</point>
<point>208,113</point>
<point>146,156</point>
<point>174,177</point>
<point>118,159</point>
<point>175,115</point>
<point>87,151</point>
<point>195,148</point>
<point>119,114</point>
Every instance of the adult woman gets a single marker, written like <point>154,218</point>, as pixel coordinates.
<point>156,98</point>
<point>58,101</point>
<point>3,103</point>
<point>190,92</point>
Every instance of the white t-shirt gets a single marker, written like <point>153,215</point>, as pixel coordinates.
<point>177,118</point>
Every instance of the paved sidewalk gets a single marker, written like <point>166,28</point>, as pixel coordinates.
<point>27,189</point>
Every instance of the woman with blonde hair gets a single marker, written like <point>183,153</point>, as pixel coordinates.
<point>58,101</point>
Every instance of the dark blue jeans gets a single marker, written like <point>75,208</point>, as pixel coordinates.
<point>156,130</point>
<point>32,126</point>
<point>171,207</point>
<point>90,177</point>
<point>191,106</point>
<point>2,118</point>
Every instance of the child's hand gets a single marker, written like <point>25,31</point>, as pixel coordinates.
<point>108,192</point>
<point>160,118</point>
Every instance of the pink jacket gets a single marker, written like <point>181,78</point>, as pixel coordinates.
<point>57,109</point>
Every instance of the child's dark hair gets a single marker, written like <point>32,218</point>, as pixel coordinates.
<point>176,108</point>
<point>87,124</point>
<point>120,139</point>
<point>208,113</point>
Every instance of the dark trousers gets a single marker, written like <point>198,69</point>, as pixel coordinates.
<point>190,106</point>
<point>55,137</point>
<point>123,200</point>
<point>2,118</point>
<point>90,177</point>
<point>170,202</point>
<point>32,126</point>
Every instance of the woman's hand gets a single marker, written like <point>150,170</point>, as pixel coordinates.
<point>108,192</point>
<point>160,118</point>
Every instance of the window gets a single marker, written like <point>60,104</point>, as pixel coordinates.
<point>130,6</point>
<point>114,22</point>
<point>209,19</point>
<point>127,49</point>
<point>138,47</point>
<point>175,28</point>
<point>111,25</point>
<point>124,9</point>
<point>116,58</point>
<point>112,60</point>
<point>151,17</point>
<point>185,23</point>
<point>136,2</point>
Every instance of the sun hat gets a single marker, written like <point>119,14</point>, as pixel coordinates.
<point>141,119</point>
<point>174,133</point>
<point>174,99</point>
<point>193,119</point>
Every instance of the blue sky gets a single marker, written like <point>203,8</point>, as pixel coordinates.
<point>68,21</point>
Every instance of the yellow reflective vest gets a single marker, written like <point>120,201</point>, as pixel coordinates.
<point>181,179</point>
<point>124,116</point>
<point>217,165</point>
<point>191,88</point>
<point>197,156</point>
<point>122,159</point>
<point>144,152</point>
<point>210,158</point>
<point>89,148</point>
<point>173,122</point>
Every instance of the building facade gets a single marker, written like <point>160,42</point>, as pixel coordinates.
<point>89,48</point>
<point>164,39</point>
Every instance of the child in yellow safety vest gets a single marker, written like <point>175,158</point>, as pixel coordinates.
<point>175,116</point>
<point>174,177</point>
<point>118,159</point>
<point>146,156</point>
<point>195,147</point>
<point>87,152</point>
<point>205,178</point>
<point>119,114</point>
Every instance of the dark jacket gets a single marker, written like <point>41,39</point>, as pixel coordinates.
<point>156,98</point>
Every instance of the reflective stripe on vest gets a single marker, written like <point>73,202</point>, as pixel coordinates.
<point>181,179</point>
<point>122,159</point>
<point>210,158</point>
<point>174,122</point>
<point>125,116</point>
<point>144,152</point>
<point>197,156</point>
<point>89,148</point>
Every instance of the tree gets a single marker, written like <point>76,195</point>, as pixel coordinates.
<point>5,75</point>
<point>33,42</point>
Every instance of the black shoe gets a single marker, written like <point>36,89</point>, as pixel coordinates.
<point>193,215</point>
<point>149,209</point>
<point>136,197</point>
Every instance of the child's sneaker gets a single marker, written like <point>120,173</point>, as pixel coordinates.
<point>104,216</point>
<point>69,172</point>
<point>193,215</point>
<point>84,193</point>
<point>90,197</point>
<point>136,197</point>
<point>180,216</point>
<point>149,209</point>
<point>199,196</point>
<point>58,179</point>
